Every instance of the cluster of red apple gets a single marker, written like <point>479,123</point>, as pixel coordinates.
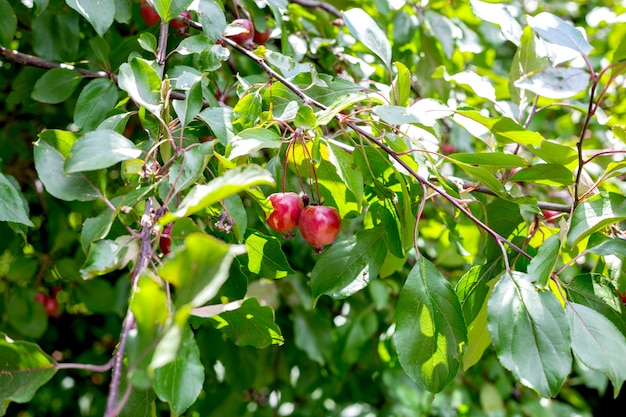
<point>49,302</point>
<point>251,35</point>
<point>319,225</point>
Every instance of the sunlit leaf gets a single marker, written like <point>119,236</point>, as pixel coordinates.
<point>430,332</point>
<point>348,266</point>
<point>141,81</point>
<point>557,83</point>
<point>504,129</point>
<point>594,214</point>
<point>366,30</point>
<point>542,265</point>
<point>551,174</point>
<point>555,30</point>
<point>99,149</point>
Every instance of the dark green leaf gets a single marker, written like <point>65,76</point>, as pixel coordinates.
<point>142,83</point>
<point>430,330</point>
<point>220,120</point>
<point>103,257</point>
<point>305,118</point>
<point>212,18</point>
<point>189,167</point>
<point>598,343</point>
<point>529,333</point>
<point>94,102</point>
<point>24,367</point>
<point>97,294</point>
<point>51,151</point>
<point>99,149</point>
<point>8,23</point>
<point>250,325</point>
<point>349,265</point>
<point>13,206</point>
<point>169,9</point>
<point>188,109</point>
<point>180,382</point>
<point>56,85</point>
<point>97,12</point>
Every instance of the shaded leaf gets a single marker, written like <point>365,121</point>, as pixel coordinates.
<point>541,266</point>
<point>8,23</point>
<point>529,333</point>
<point>349,265</point>
<point>24,367</point>
<point>13,206</point>
<point>265,256</point>
<point>250,325</point>
<point>100,13</point>
<point>598,343</point>
<point>142,83</point>
<point>56,85</point>
<point>94,103</point>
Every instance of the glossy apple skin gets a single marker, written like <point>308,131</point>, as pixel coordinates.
<point>286,213</point>
<point>149,15</point>
<point>319,226</point>
<point>243,38</point>
<point>177,24</point>
<point>260,38</point>
<point>165,242</point>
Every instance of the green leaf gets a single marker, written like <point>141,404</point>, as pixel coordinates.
<point>250,325</point>
<point>211,17</point>
<point>94,102</point>
<point>555,30</point>
<point>232,182</point>
<point>8,23</point>
<point>265,256</point>
<point>504,129</point>
<point>430,330</point>
<point>56,85</point>
<point>554,153</point>
<point>99,149</point>
<point>220,120</point>
<point>199,269</point>
<point>305,118</point>
<point>24,367</point>
<point>148,42</point>
<point>179,383</point>
<point>550,174</point>
<point>401,84</point>
<point>142,83</point>
<point>169,9</point>
<point>100,13</point>
<point>97,294</point>
<point>189,167</point>
<point>527,60</point>
<point>103,257</point>
<point>349,265</point>
<point>326,116</point>
<point>597,343</point>
<point>557,83</point>
<point>188,109</point>
<point>249,141</point>
<point>594,214</point>
<point>541,266</point>
<point>593,291</point>
<point>365,29</point>
<point>343,162</point>
<point>13,206</point>
<point>51,151</point>
<point>529,334</point>
<point>498,159</point>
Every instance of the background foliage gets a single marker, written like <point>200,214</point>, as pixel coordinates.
<point>474,150</point>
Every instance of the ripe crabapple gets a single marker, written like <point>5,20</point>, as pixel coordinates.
<point>550,216</point>
<point>179,25</point>
<point>260,38</point>
<point>165,242</point>
<point>319,226</point>
<point>243,38</point>
<point>286,212</point>
<point>149,15</point>
<point>49,303</point>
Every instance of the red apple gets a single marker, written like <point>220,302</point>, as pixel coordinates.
<point>286,211</point>
<point>165,242</point>
<point>319,226</point>
<point>149,15</point>
<point>260,38</point>
<point>550,216</point>
<point>243,38</point>
<point>179,25</point>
